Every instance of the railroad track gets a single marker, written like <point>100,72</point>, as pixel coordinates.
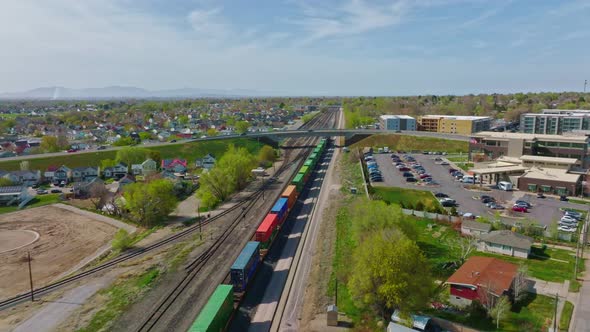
<point>44,290</point>
<point>195,267</point>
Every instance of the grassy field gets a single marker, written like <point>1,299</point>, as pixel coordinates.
<point>566,316</point>
<point>456,159</point>
<point>410,143</point>
<point>578,201</point>
<point>36,202</point>
<point>120,296</point>
<point>189,151</point>
<point>406,197</point>
<point>533,314</point>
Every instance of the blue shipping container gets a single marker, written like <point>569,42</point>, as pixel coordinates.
<point>280,208</point>
<point>245,265</point>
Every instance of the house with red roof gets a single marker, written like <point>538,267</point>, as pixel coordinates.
<point>174,165</point>
<point>481,278</point>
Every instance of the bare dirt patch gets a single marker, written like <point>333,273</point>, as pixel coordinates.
<point>65,238</point>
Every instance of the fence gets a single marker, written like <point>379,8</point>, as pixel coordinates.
<point>431,215</point>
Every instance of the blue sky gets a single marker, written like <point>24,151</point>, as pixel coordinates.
<point>296,47</point>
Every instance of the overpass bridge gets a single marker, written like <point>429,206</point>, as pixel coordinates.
<point>350,134</point>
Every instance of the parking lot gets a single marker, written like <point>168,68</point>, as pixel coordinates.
<point>544,211</point>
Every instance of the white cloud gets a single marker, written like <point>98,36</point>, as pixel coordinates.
<point>208,23</point>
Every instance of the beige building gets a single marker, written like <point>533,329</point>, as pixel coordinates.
<point>454,124</point>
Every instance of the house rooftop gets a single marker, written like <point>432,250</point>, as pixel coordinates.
<point>508,238</point>
<point>456,117</point>
<point>532,137</point>
<point>559,160</point>
<point>401,116</point>
<point>479,226</point>
<point>11,190</point>
<point>487,272</point>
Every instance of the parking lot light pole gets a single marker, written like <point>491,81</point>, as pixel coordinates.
<point>31,276</point>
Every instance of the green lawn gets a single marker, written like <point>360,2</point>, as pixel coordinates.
<point>462,158</point>
<point>413,143</point>
<point>534,314</point>
<point>543,265</point>
<point>435,243</point>
<point>36,202</point>
<point>578,201</point>
<point>406,197</point>
<point>189,151</point>
<point>566,316</point>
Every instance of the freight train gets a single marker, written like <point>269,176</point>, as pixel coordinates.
<point>216,314</point>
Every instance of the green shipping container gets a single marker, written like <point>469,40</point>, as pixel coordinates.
<point>216,313</point>
<point>314,157</point>
<point>304,170</point>
<point>308,163</point>
<point>298,182</point>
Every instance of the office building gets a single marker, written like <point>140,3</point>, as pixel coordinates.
<point>451,124</point>
<point>397,122</point>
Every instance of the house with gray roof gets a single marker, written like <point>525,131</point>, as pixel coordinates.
<point>506,242</point>
<point>475,228</point>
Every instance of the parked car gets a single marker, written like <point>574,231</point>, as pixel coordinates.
<point>102,147</point>
<point>404,169</point>
<point>540,195</point>
<point>452,170</point>
<point>41,191</point>
<point>445,163</point>
<point>72,150</point>
<point>563,198</point>
<point>523,203</point>
<point>448,204</point>
<point>484,197</point>
<point>518,208</point>
<point>441,195</point>
<point>411,180</point>
<point>425,175</point>
<point>574,214</point>
<point>569,219</point>
<point>55,191</point>
<point>566,229</point>
<point>495,206</point>
<point>408,175</point>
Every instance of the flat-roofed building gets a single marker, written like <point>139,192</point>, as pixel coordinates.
<point>493,145</point>
<point>555,122</point>
<point>397,122</point>
<point>550,180</point>
<point>454,124</point>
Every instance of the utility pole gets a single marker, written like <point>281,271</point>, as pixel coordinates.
<point>336,296</point>
<point>555,313</point>
<point>585,83</point>
<point>31,277</point>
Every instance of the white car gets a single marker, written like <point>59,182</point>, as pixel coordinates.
<point>569,219</point>
<point>566,229</point>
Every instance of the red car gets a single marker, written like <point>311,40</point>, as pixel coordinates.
<point>425,175</point>
<point>404,169</point>
<point>517,208</point>
<point>72,150</point>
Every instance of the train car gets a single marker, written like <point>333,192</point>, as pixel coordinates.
<point>308,163</point>
<point>245,265</point>
<point>280,209</point>
<point>264,233</point>
<point>217,312</point>
<point>315,158</point>
<point>298,182</point>
<point>305,171</point>
<point>290,194</point>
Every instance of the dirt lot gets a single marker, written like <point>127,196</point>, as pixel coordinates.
<point>65,239</point>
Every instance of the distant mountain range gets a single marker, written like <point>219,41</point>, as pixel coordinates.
<point>123,92</point>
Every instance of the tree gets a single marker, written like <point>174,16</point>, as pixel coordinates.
<point>465,245</point>
<point>24,165</point>
<point>237,164</point>
<point>390,271</point>
<point>242,127</point>
<point>520,283</point>
<point>370,216</point>
<point>155,156</point>
<point>122,240</point>
<point>149,203</point>
<point>49,144</point>
<point>98,195</point>
<point>211,132</point>
<point>499,310</point>
<point>266,155</point>
<point>145,136</point>
<point>124,141</point>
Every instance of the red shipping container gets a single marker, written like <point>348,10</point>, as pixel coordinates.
<point>290,194</point>
<point>266,228</point>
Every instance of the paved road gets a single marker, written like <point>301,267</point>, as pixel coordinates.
<point>258,307</point>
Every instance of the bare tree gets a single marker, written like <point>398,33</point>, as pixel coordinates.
<point>520,283</point>
<point>500,309</point>
<point>24,165</point>
<point>487,296</point>
<point>465,246</point>
<point>99,195</point>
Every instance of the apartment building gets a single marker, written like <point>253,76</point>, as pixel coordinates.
<point>555,122</point>
<point>451,124</point>
<point>397,122</point>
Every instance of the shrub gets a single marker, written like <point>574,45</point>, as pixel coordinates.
<point>122,240</point>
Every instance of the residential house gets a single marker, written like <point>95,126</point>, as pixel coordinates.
<point>50,173</point>
<point>136,169</point>
<point>12,195</point>
<point>149,166</point>
<point>85,174</point>
<point>474,228</point>
<point>174,165</point>
<point>25,178</point>
<point>163,135</point>
<point>83,189</point>
<point>126,180</point>
<point>481,278</point>
<point>62,174</point>
<point>207,162</point>
<point>506,242</point>
<point>116,172</point>
<point>9,176</point>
